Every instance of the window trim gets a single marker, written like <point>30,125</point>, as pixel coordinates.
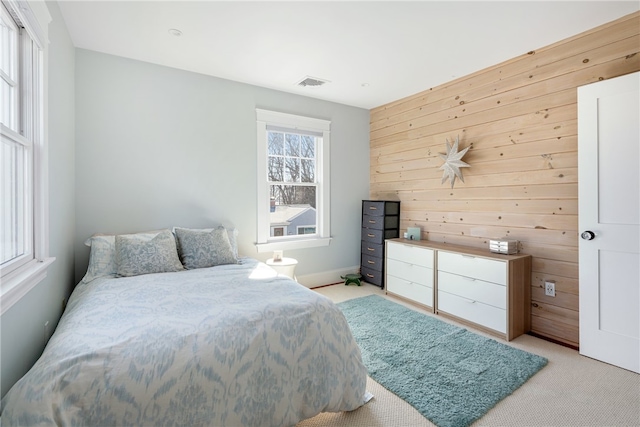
<point>34,17</point>
<point>294,122</point>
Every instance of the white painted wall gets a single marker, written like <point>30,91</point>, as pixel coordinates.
<point>22,325</point>
<point>159,147</point>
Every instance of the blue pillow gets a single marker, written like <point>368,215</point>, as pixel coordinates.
<point>135,256</point>
<point>205,248</point>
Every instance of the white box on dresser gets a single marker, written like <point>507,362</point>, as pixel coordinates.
<point>474,286</point>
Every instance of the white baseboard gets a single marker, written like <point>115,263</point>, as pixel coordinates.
<point>326,277</point>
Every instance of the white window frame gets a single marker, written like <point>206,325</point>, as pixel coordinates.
<point>33,19</point>
<point>265,243</point>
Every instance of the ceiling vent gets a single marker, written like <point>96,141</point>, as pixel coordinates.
<point>312,81</point>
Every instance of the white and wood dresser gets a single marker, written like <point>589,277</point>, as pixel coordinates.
<point>488,291</point>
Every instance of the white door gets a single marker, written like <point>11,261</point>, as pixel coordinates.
<point>609,218</point>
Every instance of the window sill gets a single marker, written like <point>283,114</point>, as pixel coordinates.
<point>21,282</point>
<point>293,244</point>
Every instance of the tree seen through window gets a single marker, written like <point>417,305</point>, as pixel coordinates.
<point>292,168</point>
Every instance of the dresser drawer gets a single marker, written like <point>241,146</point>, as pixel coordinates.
<point>371,262</point>
<point>410,254</point>
<point>473,311</point>
<point>473,289</point>
<point>379,208</point>
<point>471,266</point>
<point>372,235</point>
<point>372,249</point>
<point>373,208</point>
<point>380,222</point>
<point>410,290</point>
<point>370,221</point>
<point>411,272</point>
<point>371,276</point>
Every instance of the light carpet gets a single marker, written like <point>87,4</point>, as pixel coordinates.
<point>449,374</point>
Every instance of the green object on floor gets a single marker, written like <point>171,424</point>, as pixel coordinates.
<point>351,278</point>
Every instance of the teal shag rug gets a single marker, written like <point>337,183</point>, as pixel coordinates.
<point>450,375</point>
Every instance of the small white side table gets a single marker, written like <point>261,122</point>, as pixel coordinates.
<point>287,266</point>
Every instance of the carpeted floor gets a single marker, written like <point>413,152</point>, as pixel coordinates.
<point>450,375</point>
<point>572,390</point>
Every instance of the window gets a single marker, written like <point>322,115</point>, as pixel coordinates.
<point>23,221</point>
<point>306,230</point>
<point>293,181</point>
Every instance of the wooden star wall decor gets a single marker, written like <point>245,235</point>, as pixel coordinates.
<point>453,162</point>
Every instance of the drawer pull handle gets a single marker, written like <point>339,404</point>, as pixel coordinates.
<point>471,279</point>
<point>373,208</point>
<point>370,275</point>
<point>371,221</point>
<point>468,256</point>
<point>371,249</point>
<point>371,235</point>
<point>472,302</point>
<point>371,262</point>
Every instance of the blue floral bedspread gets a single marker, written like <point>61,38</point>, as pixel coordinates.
<point>231,345</point>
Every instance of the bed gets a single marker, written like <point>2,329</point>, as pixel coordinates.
<point>232,344</point>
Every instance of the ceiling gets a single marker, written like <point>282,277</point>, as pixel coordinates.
<point>372,53</point>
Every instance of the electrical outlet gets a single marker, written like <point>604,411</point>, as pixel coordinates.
<point>550,288</point>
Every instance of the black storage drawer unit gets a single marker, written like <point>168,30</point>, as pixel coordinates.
<point>380,221</point>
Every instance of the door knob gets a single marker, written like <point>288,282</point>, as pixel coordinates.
<point>588,235</point>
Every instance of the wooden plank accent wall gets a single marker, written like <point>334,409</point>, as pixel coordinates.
<point>520,120</point>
